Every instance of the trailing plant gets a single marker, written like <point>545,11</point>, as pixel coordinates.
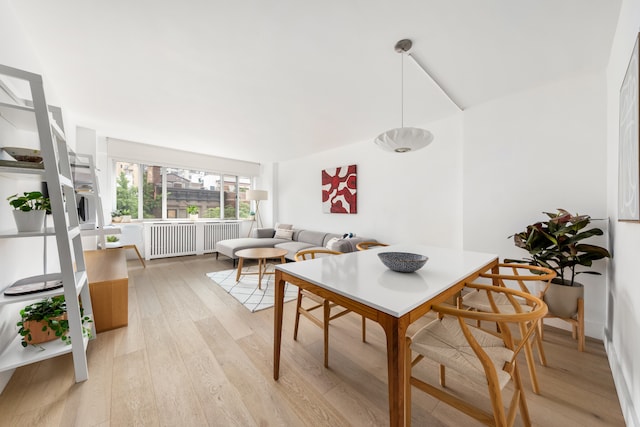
<point>29,201</point>
<point>50,312</point>
<point>555,244</point>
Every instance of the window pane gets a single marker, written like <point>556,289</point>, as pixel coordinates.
<point>230,196</point>
<point>244,184</point>
<point>192,188</point>
<point>152,194</point>
<point>126,188</point>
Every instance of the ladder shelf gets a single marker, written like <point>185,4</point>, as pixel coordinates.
<point>37,116</point>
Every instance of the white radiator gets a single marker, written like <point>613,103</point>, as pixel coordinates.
<point>169,239</point>
<point>172,239</point>
<point>216,231</point>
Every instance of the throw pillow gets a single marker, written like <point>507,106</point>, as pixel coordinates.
<point>281,233</point>
<point>283,226</point>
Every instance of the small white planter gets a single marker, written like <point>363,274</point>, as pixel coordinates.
<point>29,221</point>
<point>193,217</point>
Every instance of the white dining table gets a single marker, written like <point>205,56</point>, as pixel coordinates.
<point>360,282</point>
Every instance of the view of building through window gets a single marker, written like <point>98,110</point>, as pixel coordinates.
<point>206,191</point>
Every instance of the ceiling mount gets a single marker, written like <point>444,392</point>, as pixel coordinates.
<point>403,46</point>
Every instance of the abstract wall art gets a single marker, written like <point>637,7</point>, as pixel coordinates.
<point>339,190</point>
<point>629,143</point>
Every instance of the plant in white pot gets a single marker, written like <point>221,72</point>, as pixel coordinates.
<point>556,244</point>
<point>29,210</point>
<point>193,212</point>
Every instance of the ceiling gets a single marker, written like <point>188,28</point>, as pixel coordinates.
<point>273,80</point>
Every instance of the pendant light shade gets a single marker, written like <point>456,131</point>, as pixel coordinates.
<point>402,140</point>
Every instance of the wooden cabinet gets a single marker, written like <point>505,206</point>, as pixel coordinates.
<point>109,285</point>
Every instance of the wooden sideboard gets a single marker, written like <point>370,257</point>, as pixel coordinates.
<point>109,287</point>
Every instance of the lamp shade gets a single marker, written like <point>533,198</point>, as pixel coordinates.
<point>257,194</point>
<point>402,140</point>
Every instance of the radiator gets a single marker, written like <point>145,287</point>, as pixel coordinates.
<point>172,240</point>
<point>216,231</point>
<point>169,239</point>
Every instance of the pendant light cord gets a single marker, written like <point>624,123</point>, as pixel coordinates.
<point>402,90</point>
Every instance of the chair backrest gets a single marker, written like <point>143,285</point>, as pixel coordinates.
<point>527,319</point>
<point>522,274</point>
<point>363,246</point>
<point>306,254</point>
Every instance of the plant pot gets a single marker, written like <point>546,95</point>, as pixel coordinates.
<point>126,218</point>
<point>116,219</point>
<point>193,217</point>
<point>562,300</point>
<point>29,221</point>
<point>39,336</point>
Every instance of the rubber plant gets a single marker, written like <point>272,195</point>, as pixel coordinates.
<point>556,244</point>
<point>51,313</point>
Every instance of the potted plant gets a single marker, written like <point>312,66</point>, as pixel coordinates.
<point>46,320</point>
<point>193,211</point>
<point>29,210</point>
<point>126,215</point>
<point>556,244</point>
<point>116,216</point>
<point>112,241</point>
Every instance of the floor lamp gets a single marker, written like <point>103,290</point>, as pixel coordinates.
<point>257,195</point>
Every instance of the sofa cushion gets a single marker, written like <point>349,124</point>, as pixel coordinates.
<point>293,248</point>
<point>229,247</point>
<point>262,233</point>
<point>316,238</point>
<point>282,233</point>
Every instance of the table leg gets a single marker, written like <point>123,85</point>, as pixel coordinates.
<point>277,323</point>
<point>239,269</point>
<point>395,330</point>
<point>262,266</point>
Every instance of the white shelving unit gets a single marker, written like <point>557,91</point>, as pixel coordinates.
<point>87,185</point>
<point>66,228</point>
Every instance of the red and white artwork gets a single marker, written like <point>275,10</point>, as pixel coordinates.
<point>339,187</point>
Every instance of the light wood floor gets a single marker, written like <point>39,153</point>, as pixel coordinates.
<point>192,356</point>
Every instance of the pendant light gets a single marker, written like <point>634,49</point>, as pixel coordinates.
<point>403,139</point>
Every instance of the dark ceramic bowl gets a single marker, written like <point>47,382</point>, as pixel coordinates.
<point>403,262</point>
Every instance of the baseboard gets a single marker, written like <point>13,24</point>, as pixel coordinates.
<point>4,379</point>
<point>629,411</point>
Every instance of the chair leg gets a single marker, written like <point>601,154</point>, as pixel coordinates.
<point>524,408</point>
<point>541,355</point>
<point>443,380</point>
<point>327,312</point>
<point>364,329</point>
<point>531,362</point>
<point>298,304</point>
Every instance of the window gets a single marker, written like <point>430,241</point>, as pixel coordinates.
<point>168,191</point>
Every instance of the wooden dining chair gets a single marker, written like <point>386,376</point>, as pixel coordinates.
<point>363,246</point>
<point>527,278</point>
<point>319,302</point>
<point>481,356</point>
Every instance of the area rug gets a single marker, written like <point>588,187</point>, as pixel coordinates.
<point>246,290</point>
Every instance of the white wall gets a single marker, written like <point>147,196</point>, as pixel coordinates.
<point>623,296</point>
<point>413,197</point>
<point>533,152</point>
